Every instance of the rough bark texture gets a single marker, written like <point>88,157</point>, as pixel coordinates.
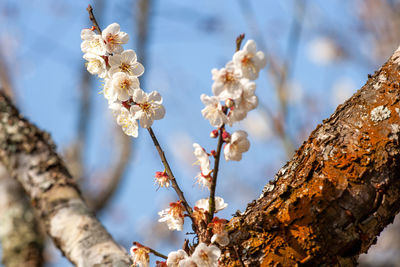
<point>28,154</point>
<point>342,187</point>
<point>21,240</point>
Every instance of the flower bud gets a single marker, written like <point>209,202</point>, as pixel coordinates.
<point>226,136</point>
<point>213,153</point>
<point>229,103</point>
<point>214,134</point>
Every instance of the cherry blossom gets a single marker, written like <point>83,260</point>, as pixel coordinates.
<point>246,102</point>
<point>220,233</point>
<point>125,62</point>
<point>121,86</point>
<point>113,38</point>
<point>206,255</point>
<point>162,179</point>
<point>203,159</point>
<point>175,257</point>
<point>189,262</point>
<point>140,255</point>
<point>204,204</point>
<point>92,43</point>
<point>127,122</point>
<point>173,216</point>
<point>213,110</point>
<point>249,61</point>
<point>237,145</point>
<point>227,82</point>
<point>204,180</point>
<point>148,107</point>
<point>95,65</point>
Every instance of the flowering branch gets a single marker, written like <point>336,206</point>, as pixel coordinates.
<point>211,200</point>
<point>93,19</point>
<point>171,175</point>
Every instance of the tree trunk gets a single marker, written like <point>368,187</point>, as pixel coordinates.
<point>28,154</point>
<point>21,241</point>
<point>342,187</point>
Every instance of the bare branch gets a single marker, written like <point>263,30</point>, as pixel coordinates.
<point>21,241</point>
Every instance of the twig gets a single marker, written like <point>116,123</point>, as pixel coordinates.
<point>171,175</point>
<point>93,19</point>
<point>239,40</point>
<point>158,254</point>
<point>211,200</point>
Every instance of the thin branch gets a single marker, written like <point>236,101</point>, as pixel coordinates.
<point>239,41</point>
<point>213,186</point>
<point>93,19</point>
<point>171,175</point>
<point>155,252</point>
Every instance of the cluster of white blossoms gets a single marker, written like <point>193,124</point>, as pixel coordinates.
<point>203,255</point>
<point>120,70</point>
<point>233,85</point>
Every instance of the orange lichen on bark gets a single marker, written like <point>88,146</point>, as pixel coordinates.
<point>327,205</point>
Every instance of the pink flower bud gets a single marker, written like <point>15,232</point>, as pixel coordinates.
<point>226,136</point>
<point>213,153</point>
<point>214,134</point>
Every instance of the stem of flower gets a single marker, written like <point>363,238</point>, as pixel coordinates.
<point>211,200</point>
<point>154,252</point>
<point>171,175</point>
<point>93,19</point>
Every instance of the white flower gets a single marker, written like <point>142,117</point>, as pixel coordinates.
<point>95,65</point>
<point>204,204</point>
<point>206,256</point>
<point>173,216</point>
<point>221,235</point>
<point>249,61</point>
<point>237,145</point>
<point>113,38</point>
<point>162,179</point>
<point>121,86</point>
<point>189,262</point>
<point>140,256</point>
<point>204,180</point>
<point>222,239</point>
<point>246,102</point>
<point>203,159</point>
<point>148,107</point>
<point>213,110</point>
<point>92,43</point>
<point>175,257</point>
<point>226,82</point>
<point>128,123</point>
<point>125,62</point>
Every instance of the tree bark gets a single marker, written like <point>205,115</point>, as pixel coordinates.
<point>28,154</point>
<point>20,237</point>
<point>342,187</point>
